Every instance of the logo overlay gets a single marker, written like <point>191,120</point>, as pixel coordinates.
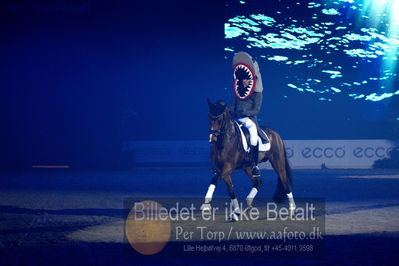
<point>171,227</point>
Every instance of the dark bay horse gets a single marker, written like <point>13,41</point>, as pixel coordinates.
<point>228,155</point>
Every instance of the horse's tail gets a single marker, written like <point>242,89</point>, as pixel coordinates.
<point>281,193</point>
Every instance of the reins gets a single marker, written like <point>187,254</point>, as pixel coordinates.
<point>222,129</point>
<point>218,131</point>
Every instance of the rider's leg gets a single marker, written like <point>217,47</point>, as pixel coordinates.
<point>255,168</point>
<point>253,132</point>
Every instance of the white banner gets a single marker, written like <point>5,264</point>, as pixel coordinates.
<point>301,153</point>
<point>338,153</point>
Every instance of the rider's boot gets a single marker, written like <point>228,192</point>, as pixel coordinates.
<point>255,154</point>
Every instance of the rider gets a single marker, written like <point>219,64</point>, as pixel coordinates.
<point>248,100</point>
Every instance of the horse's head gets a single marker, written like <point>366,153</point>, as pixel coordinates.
<point>217,117</point>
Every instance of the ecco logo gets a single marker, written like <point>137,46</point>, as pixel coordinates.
<point>327,152</point>
<point>290,152</point>
<point>370,152</point>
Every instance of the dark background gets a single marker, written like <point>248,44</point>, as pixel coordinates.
<point>78,77</point>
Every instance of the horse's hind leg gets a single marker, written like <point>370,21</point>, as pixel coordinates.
<point>284,183</point>
<point>257,183</point>
<point>206,206</point>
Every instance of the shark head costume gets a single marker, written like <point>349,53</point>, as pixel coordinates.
<point>246,74</point>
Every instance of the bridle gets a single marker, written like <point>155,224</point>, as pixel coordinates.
<point>216,132</point>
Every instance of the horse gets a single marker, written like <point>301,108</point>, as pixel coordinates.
<point>227,155</point>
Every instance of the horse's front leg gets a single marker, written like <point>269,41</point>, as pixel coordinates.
<point>206,206</point>
<point>235,208</point>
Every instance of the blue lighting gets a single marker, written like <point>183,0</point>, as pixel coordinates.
<point>350,46</point>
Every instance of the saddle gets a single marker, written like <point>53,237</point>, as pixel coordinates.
<point>264,144</point>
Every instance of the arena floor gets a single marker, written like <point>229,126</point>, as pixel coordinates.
<point>68,217</point>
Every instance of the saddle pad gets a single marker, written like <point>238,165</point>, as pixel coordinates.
<point>262,147</point>
<point>243,138</point>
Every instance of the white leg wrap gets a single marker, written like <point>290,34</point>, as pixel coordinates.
<point>209,194</point>
<point>234,215</point>
<point>235,206</point>
<point>291,201</point>
<point>251,196</point>
<point>252,193</point>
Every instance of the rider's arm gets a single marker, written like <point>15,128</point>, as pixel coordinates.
<point>254,111</point>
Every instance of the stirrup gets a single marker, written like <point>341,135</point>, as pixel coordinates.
<point>256,171</point>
